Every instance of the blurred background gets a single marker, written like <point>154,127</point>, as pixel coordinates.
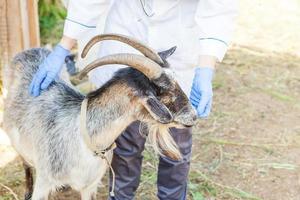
<point>249,148</point>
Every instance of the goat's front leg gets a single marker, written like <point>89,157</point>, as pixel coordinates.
<point>28,180</point>
<point>89,193</point>
<point>41,189</point>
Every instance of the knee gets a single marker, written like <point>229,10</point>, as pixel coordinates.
<point>183,139</point>
<point>131,142</point>
<point>133,151</point>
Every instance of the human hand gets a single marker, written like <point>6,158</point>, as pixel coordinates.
<point>201,92</point>
<point>48,70</point>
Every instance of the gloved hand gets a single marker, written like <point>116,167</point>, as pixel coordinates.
<point>48,70</point>
<point>201,93</point>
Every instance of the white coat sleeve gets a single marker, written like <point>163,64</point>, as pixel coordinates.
<point>216,21</point>
<point>82,16</point>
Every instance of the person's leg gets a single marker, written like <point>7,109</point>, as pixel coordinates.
<point>127,162</point>
<point>173,175</point>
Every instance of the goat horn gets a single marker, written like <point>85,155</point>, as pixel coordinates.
<point>145,65</point>
<point>144,49</point>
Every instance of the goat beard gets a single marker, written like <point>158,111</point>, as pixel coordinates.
<point>161,140</point>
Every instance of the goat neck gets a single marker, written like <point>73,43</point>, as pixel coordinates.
<point>110,110</point>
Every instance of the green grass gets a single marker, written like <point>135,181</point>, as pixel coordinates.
<point>278,95</point>
<point>51,19</point>
<point>202,186</point>
<point>6,197</point>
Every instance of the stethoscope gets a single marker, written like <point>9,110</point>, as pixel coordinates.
<point>146,8</point>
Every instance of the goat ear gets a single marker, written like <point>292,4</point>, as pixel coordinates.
<point>157,110</point>
<point>167,53</point>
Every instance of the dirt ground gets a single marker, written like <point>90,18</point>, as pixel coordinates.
<point>249,148</point>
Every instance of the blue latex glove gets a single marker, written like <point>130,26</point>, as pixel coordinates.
<point>48,70</point>
<point>202,93</point>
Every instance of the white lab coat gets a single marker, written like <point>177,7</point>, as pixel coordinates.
<point>196,27</point>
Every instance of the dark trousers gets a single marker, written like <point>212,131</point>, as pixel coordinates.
<point>127,162</point>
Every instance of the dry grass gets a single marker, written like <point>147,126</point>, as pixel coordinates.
<point>249,147</point>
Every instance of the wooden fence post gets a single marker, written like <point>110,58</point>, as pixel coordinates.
<point>19,28</point>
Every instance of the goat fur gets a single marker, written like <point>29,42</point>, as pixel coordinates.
<point>45,129</point>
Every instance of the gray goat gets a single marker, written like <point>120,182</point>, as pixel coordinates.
<point>46,130</point>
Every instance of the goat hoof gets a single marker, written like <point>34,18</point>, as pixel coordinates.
<point>28,196</point>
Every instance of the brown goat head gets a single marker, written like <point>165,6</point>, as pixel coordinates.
<point>161,96</point>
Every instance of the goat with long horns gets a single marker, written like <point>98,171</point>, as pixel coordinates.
<point>59,132</point>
